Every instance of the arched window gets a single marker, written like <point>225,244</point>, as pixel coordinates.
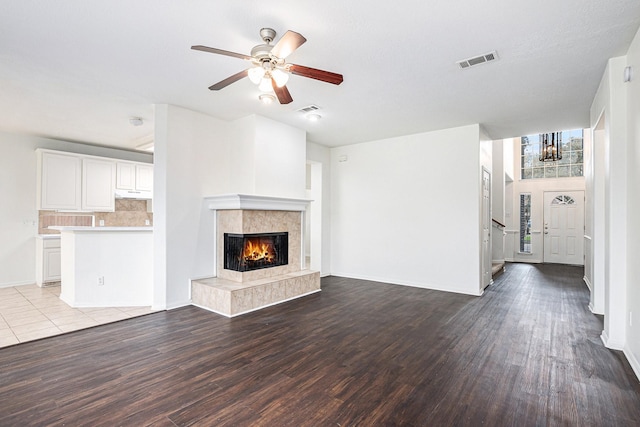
<point>563,200</point>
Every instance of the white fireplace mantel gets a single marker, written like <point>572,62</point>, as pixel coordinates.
<point>251,202</point>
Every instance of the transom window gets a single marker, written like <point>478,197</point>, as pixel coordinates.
<point>563,200</point>
<point>571,164</point>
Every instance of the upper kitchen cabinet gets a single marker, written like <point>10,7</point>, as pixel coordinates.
<point>59,181</point>
<point>144,177</point>
<point>134,176</point>
<point>72,182</point>
<point>98,185</point>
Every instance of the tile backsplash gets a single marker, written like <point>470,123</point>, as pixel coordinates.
<point>128,213</point>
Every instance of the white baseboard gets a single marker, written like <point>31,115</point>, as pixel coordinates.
<point>609,343</point>
<point>586,280</point>
<point>633,361</point>
<point>476,293</point>
<point>12,284</point>
<point>179,304</point>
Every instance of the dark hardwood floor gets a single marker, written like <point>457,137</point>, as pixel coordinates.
<point>359,353</point>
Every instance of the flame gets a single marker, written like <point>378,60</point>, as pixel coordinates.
<point>255,250</point>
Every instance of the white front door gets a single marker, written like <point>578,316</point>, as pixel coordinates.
<point>564,227</point>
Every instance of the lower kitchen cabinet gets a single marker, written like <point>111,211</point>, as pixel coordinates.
<point>48,267</point>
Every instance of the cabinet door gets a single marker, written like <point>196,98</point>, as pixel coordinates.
<point>144,177</point>
<point>52,266</point>
<point>125,176</point>
<point>61,182</point>
<point>98,185</point>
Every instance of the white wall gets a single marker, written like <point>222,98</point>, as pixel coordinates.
<point>322,155</point>
<point>18,214</point>
<point>611,102</point>
<point>280,159</point>
<point>123,259</point>
<point>632,341</point>
<point>406,210</point>
<point>497,181</point>
<point>190,163</point>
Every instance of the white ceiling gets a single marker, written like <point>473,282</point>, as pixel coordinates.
<point>77,70</point>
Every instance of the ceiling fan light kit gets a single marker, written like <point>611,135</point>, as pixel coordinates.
<point>270,71</point>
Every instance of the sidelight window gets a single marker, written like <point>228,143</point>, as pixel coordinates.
<point>525,223</point>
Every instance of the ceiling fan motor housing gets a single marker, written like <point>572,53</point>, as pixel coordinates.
<point>268,34</point>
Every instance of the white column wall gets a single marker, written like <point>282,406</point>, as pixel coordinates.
<point>611,101</point>
<point>280,159</point>
<point>406,210</point>
<point>632,312</point>
<point>191,162</point>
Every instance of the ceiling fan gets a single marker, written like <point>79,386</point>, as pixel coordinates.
<point>269,69</point>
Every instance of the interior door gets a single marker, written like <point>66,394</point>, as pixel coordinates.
<point>486,228</point>
<point>564,227</point>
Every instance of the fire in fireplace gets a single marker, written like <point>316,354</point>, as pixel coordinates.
<point>246,252</point>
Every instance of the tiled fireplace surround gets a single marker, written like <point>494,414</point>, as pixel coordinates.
<point>232,293</point>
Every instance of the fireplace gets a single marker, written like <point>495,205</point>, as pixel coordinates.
<point>247,252</point>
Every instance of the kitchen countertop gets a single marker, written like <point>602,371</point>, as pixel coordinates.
<point>102,229</point>
<point>48,236</point>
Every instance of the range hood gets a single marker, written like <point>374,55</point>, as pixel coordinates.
<point>134,194</point>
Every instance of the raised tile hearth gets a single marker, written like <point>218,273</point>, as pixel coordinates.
<point>231,298</point>
<point>234,292</point>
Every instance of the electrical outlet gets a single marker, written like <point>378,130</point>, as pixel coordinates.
<point>101,223</point>
<point>101,281</point>
<point>147,222</point>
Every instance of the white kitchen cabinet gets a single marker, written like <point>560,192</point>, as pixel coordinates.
<point>48,259</point>
<point>134,176</point>
<point>144,177</point>
<point>73,182</point>
<point>98,185</point>
<point>59,181</point>
<point>125,176</point>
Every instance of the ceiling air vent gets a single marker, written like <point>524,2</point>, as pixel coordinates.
<point>476,60</point>
<point>309,109</point>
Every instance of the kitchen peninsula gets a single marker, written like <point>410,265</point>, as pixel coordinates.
<point>106,266</point>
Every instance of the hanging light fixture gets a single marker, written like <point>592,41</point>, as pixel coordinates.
<point>281,78</point>
<point>262,74</point>
<point>265,84</point>
<point>256,74</point>
<point>550,146</point>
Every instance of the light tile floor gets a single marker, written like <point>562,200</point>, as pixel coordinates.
<point>29,312</point>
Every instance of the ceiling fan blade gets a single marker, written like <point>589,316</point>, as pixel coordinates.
<point>226,82</point>
<point>313,73</point>
<point>284,97</point>
<point>287,44</point>
<point>220,52</point>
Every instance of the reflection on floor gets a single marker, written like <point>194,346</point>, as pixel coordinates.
<point>29,312</point>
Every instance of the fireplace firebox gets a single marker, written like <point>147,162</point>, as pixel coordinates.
<point>246,252</point>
